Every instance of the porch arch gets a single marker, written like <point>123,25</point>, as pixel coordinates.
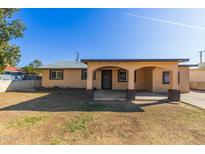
<point>97,82</point>
<point>150,78</point>
<point>169,67</point>
<point>108,66</point>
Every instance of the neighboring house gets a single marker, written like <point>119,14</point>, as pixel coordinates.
<point>12,73</point>
<point>12,69</point>
<point>197,77</point>
<point>155,75</point>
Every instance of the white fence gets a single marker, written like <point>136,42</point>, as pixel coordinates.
<point>15,85</point>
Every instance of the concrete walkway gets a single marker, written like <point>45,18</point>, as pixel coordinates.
<point>196,98</point>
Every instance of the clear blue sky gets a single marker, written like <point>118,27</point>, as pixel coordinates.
<point>55,34</point>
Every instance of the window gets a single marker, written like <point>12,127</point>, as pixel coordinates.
<point>135,76</point>
<point>178,77</point>
<point>122,76</point>
<point>84,75</point>
<point>166,79</point>
<point>56,74</point>
<point>94,75</point>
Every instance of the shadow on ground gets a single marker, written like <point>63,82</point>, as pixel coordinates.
<point>59,100</point>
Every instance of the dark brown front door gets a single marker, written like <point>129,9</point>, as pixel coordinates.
<point>106,79</point>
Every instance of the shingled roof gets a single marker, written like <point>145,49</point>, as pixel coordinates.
<point>64,65</point>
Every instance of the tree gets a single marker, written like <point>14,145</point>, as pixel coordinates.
<point>36,63</point>
<point>31,68</point>
<point>9,29</point>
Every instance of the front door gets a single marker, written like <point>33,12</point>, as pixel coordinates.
<point>106,79</point>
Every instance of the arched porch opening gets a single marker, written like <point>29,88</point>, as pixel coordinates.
<point>153,79</point>
<point>108,77</point>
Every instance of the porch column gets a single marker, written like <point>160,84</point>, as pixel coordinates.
<point>89,91</point>
<point>89,79</point>
<point>131,80</point>
<point>130,92</point>
<point>174,93</point>
<point>174,79</point>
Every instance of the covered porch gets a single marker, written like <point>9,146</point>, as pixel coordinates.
<point>132,76</point>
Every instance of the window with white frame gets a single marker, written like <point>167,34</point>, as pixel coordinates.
<point>56,74</point>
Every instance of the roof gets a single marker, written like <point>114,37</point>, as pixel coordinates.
<point>65,65</point>
<point>13,69</point>
<point>134,60</point>
<point>188,65</point>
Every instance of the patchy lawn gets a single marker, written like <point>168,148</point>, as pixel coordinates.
<point>63,116</point>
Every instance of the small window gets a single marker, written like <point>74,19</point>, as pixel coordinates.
<point>178,77</point>
<point>135,76</point>
<point>94,75</point>
<point>56,74</point>
<point>122,76</point>
<point>84,75</point>
<point>166,79</point>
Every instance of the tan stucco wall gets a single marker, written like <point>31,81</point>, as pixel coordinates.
<point>184,85</point>
<point>144,79</point>
<point>197,78</point>
<point>197,85</point>
<point>158,85</point>
<point>72,79</point>
<point>197,75</point>
<point>140,82</point>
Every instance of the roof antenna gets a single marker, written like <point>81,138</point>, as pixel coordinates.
<point>77,56</point>
<point>201,55</point>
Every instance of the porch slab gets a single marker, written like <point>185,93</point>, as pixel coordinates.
<point>149,96</point>
<point>121,95</point>
<point>109,95</point>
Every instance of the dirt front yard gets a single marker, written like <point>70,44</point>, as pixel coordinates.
<point>63,116</point>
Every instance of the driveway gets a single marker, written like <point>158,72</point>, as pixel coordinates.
<point>196,98</point>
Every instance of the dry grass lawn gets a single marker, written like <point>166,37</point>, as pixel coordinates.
<point>64,116</point>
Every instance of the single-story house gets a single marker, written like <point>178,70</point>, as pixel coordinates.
<point>155,75</point>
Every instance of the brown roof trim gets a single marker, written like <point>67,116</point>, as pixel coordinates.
<point>134,60</point>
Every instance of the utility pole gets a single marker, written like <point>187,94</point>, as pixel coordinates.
<point>77,56</point>
<point>201,55</point>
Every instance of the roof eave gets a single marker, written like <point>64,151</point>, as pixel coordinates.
<point>188,65</point>
<point>134,60</point>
